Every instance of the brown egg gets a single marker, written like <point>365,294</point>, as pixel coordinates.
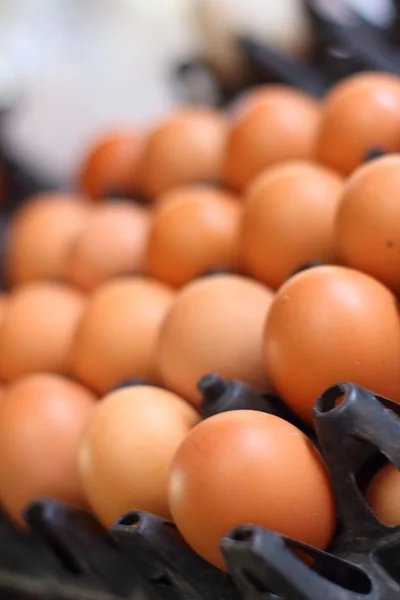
<point>111,164</point>
<point>185,147</point>
<point>215,325</point>
<point>288,220</point>
<point>327,325</point>
<point>249,467</point>
<point>383,495</point>
<point>42,418</point>
<point>359,113</point>
<point>194,229</point>
<point>257,95</point>
<point>279,127</point>
<point>117,336</point>
<point>367,234</point>
<point>112,243</point>
<point>41,233</point>
<point>38,328</point>
<point>127,450</point>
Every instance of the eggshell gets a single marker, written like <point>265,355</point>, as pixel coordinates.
<point>42,418</point>
<point>283,126</point>
<point>383,495</point>
<point>111,164</point>
<point>40,235</point>
<point>361,112</point>
<point>37,329</point>
<point>127,450</point>
<point>367,232</point>
<point>117,336</point>
<point>112,243</point>
<point>186,146</point>
<point>249,467</point>
<point>331,324</point>
<point>194,229</point>
<point>215,325</point>
<point>288,220</point>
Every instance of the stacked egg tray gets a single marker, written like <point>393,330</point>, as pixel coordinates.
<point>65,554</point>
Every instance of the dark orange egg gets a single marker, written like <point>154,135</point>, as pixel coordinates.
<point>276,126</point>
<point>359,113</point>
<point>289,220</point>
<point>186,146</point>
<point>40,236</point>
<point>194,229</point>
<point>111,164</point>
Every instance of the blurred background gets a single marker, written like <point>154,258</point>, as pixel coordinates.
<point>73,68</point>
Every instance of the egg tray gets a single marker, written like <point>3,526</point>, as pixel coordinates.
<point>340,46</point>
<point>67,555</point>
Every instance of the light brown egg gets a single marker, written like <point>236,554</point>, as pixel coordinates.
<point>111,163</point>
<point>40,236</point>
<point>288,220</point>
<point>278,127</point>
<point>185,147</point>
<point>367,232</point>
<point>127,450</point>
<point>215,325</point>
<point>327,325</point>
<point>359,113</point>
<point>38,328</point>
<point>117,336</point>
<point>383,495</point>
<point>249,467</point>
<point>42,419</point>
<point>194,229</point>
<point>112,243</point>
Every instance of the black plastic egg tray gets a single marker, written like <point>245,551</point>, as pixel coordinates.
<point>65,554</point>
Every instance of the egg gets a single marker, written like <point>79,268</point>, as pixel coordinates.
<point>289,218</point>
<point>110,164</point>
<point>327,325</point>
<point>185,147</point>
<point>37,329</point>
<point>117,336</point>
<point>215,325</point>
<point>361,112</point>
<point>40,235</point>
<point>246,466</point>
<point>42,419</point>
<point>280,127</point>
<point>112,243</point>
<point>383,495</point>
<point>126,451</point>
<point>367,237</point>
<point>194,229</point>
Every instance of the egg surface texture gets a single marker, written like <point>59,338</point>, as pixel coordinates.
<point>186,146</point>
<point>110,164</point>
<point>367,230</point>
<point>38,328</point>
<point>288,220</point>
<point>127,450</point>
<point>331,324</point>
<point>360,112</point>
<point>215,325</point>
<point>283,126</point>
<point>383,495</point>
<point>117,336</point>
<point>112,243</point>
<point>42,419</point>
<point>194,229</point>
<point>249,467</point>
<point>41,232</point>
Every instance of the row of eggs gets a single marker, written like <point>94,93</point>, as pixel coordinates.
<point>75,310</point>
